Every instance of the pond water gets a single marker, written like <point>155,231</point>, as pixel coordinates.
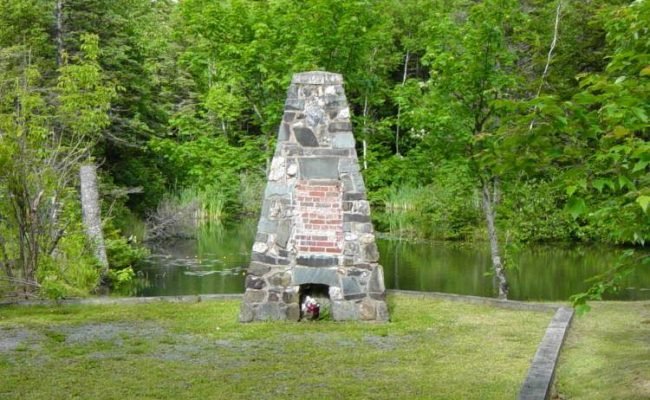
<point>216,261</point>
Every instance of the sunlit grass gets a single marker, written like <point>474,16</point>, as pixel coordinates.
<point>436,211</point>
<point>431,349</point>
<point>403,198</point>
<point>183,212</point>
<point>209,204</point>
<point>251,189</point>
<point>607,354</point>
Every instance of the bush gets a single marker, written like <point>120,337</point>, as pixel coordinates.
<point>71,271</point>
<point>210,164</point>
<point>181,214</point>
<point>533,211</point>
<point>123,254</point>
<point>446,209</point>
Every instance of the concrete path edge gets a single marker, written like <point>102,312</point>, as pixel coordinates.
<point>539,380</point>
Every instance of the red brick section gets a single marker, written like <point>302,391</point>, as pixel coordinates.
<point>319,222</point>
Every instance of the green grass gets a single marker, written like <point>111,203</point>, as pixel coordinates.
<point>432,349</point>
<point>607,354</point>
<point>210,204</point>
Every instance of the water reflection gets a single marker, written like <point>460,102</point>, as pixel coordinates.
<point>215,262</point>
<point>542,273</point>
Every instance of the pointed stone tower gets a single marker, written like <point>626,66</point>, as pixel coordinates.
<point>314,236</point>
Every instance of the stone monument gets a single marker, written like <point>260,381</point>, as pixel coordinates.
<point>315,239</point>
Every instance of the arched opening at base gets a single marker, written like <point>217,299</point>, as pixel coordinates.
<point>314,302</point>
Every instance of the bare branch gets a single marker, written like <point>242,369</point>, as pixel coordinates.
<point>549,56</point>
<point>121,141</point>
<point>57,238</point>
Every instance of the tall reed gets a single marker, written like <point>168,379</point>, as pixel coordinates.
<point>440,210</point>
<point>182,213</point>
<point>207,205</point>
<point>251,189</point>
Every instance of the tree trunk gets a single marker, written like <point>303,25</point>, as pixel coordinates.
<point>488,210</point>
<point>58,14</point>
<point>399,105</point>
<point>91,214</point>
<point>365,133</point>
<point>549,56</point>
<point>5,263</point>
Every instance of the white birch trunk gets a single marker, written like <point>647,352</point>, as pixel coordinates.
<point>399,106</point>
<point>91,214</point>
<point>499,272</point>
<point>58,13</point>
<point>365,133</point>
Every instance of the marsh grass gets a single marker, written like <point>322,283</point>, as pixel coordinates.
<point>402,212</point>
<point>251,189</point>
<point>207,205</point>
<point>439,211</point>
<point>403,198</point>
<point>607,354</point>
<point>131,226</point>
<point>431,349</point>
<point>183,212</point>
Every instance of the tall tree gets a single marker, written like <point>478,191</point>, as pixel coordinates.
<point>611,187</point>
<point>131,57</point>
<point>45,132</point>
<point>473,67</point>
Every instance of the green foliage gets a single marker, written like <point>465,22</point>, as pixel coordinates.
<point>134,58</point>
<point>47,126</point>
<point>188,101</point>
<point>209,203</point>
<point>121,280</point>
<point>124,249</point>
<point>609,190</point>
<point>122,254</point>
<point>533,211</point>
<point>389,175</point>
<point>184,212</point>
<point>448,208</point>
<point>27,23</point>
<point>211,162</point>
<point>613,105</point>
<point>84,98</point>
<point>251,190</point>
<point>72,270</point>
<point>147,180</point>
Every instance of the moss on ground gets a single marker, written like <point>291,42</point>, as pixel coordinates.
<point>431,349</point>
<point>607,354</point>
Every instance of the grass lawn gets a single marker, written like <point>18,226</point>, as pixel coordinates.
<point>432,349</point>
<point>607,354</point>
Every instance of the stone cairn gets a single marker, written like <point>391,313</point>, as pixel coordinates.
<point>315,237</point>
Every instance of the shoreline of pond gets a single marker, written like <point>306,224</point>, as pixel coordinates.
<point>216,259</point>
<point>110,299</point>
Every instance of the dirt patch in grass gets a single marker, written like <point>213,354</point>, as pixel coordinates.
<point>12,339</point>
<point>109,331</point>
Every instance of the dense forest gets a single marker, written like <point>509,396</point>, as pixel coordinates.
<point>493,120</point>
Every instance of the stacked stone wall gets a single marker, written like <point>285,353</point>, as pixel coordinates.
<point>315,225</point>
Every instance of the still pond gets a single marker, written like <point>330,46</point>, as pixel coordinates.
<point>216,261</point>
